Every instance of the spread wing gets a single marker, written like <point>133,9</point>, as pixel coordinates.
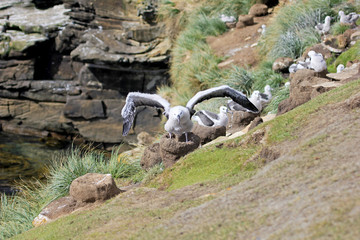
<point>222,91</point>
<point>135,99</point>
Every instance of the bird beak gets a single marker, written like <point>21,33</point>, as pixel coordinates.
<point>178,118</point>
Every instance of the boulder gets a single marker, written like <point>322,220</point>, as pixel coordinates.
<point>282,64</point>
<point>305,84</point>
<point>93,187</point>
<point>151,156</point>
<point>255,122</point>
<point>245,20</point>
<point>55,209</point>
<point>258,10</point>
<point>348,74</point>
<point>207,134</point>
<point>241,119</point>
<point>171,149</point>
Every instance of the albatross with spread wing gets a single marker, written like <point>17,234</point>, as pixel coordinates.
<point>179,117</point>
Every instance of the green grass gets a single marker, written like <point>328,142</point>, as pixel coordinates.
<point>278,96</point>
<point>18,211</point>
<point>292,29</point>
<point>350,55</point>
<point>208,164</point>
<point>338,28</point>
<point>286,125</point>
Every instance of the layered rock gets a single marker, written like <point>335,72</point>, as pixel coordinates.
<point>82,57</point>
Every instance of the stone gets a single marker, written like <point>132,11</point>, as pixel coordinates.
<point>255,123</point>
<point>87,109</point>
<point>258,10</point>
<point>207,134</point>
<point>348,74</point>
<point>245,20</point>
<point>16,70</point>
<point>230,24</point>
<point>93,187</point>
<point>171,149</point>
<point>355,36</point>
<point>151,156</point>
<point>241,119</point>
<point>282,64</point>
<point>302,89</point>
<point>55,209</point>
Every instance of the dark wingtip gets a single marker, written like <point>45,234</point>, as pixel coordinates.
<point>126,128</point>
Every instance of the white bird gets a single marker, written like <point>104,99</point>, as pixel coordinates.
<point>266,96</point>
<point>317,61</point>
<point>300,65</point>
<point>324,28</point>
<point>256,100</point>
<point>287,85</point>
<point>226,19</point>
<point>340,68</point>
<point>351,18</point>
<point>179,117</point>
<point>263,29</point>
<point>210,119</point>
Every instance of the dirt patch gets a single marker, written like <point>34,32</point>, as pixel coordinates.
<point>236,44</point>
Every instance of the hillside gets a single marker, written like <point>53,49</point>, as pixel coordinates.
<point>295,177</point>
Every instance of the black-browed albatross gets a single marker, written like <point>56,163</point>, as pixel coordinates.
<point>179,117</point>
<point>210,119</point>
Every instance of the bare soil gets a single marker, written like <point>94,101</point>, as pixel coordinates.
<point>236,44</point>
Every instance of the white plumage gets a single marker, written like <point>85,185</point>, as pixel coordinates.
<point>256,100</point>
<point>351,18</point>
<point>317,61</point>
<point>210,119</point>
<point>340,68</point>
<point>324,28</point>
<point>179,117</point>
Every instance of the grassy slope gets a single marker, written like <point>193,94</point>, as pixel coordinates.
<point>310,192</point>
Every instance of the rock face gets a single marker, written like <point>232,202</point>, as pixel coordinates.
<point>81,57</point>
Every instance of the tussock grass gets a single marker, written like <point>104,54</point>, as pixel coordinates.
<point>292,30</point>
<point>18,211</point>
<point>278,96</point>
<point>338,28</point>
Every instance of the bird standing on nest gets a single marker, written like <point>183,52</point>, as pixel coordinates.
<point>179,117</point>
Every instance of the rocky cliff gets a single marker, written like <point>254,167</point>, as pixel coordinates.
<point>66,66</point>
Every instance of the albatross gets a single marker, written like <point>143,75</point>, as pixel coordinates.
<point>324,28</point>
<point>210,119</point>
<point>351,18</point>
<point>317,61</point>
<point>179,117</point>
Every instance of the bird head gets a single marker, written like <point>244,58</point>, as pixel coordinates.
<point>341,13</point>
<point>176,113</point>
<point>327,19</point>
<point>224,109</point>
<point>267,88</point>
<point>311,53</point>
